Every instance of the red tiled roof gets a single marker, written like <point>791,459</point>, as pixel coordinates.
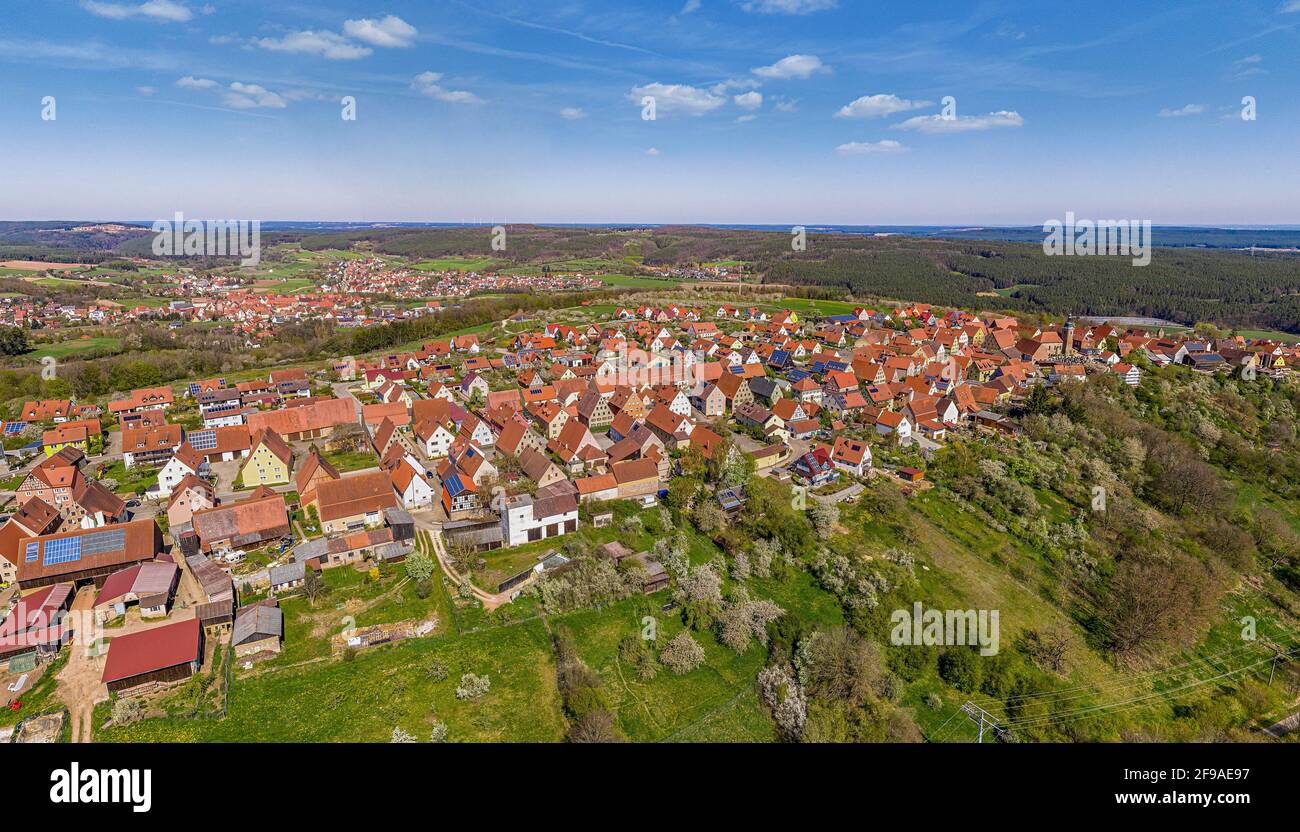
<point>154,649</point>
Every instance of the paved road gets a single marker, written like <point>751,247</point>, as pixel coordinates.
<point>342,390</point>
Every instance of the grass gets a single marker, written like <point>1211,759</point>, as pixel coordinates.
<point>716,701</point>
<point>351,460</point>
<point>39,698</point>
<point>136,479</point>
<point>364,699</point>
<point>76,346</point>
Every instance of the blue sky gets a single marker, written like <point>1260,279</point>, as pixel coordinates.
<point>767,111</point>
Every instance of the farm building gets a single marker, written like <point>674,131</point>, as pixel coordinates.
<point>168,653</point>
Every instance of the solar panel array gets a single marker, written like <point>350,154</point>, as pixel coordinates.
<point>30,554</point>
<point>14,428</point>
<point>202,440</point>
<point>68,549</point>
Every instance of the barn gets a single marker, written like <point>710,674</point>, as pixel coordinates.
<point>163,654</point>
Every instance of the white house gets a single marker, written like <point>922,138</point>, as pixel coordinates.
<point>435,438</point>
<point>553,511</point>
<point>185,461</point>
<point>412,483</point>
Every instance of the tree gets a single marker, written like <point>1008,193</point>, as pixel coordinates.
<point>839,664</point>
<point>1156,601</point>
<point>473,686</point>
<point>13,340</point>
<point>824,515</point>
<point>312,585</point>
<point>683,654</point>
<point>1039,401</point>
<point>419,566</point>
<point>710,518</point>
<point>960,667</point>
<point>595,726</point>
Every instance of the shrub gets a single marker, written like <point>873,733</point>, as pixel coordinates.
<point>683,654</point>
<point>473,686</point>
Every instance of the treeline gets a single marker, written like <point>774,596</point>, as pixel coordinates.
<point>465,316</point>
<point>1229,288</point>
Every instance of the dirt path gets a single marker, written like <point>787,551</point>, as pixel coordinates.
<point>490,601</point>
<point>79,684</point>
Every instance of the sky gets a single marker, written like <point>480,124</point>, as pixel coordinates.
<point>800,112</point>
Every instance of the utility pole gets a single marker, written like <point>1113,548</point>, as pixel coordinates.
<point>982,718</point>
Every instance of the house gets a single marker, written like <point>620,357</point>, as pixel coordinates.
<point>435,437</point>
<point>87,555</point>
<point>411,482</point>
<point>270,462</point>
<point>36,623</point>
<point>189,495</point>
<point>32,519</point>
<point>354,502</point>
<point>228,530</point>
<point>258,628</point>
<point>149,398</point>
<point>215,582</point>
<point>54,480</point>
<point>538,468</point>
<point>735,388</point>
<point>186,462</point>
<point>815,467</point>
<point>150,446</point>
<point>709,400</point>
<point>287,577</point>
<point>72,434</point>
<point>852,455</point>
<point>673,429</point>
<point>551,512</point>
<point>594,410</point>
<point>310,418</point>
<point>636,477</point>
<point>600,487</point>
<point>48,410</point>
<point>314,470</point>
<point>888,422</point>
<point>151,586</point>
<point>460,495</point>
<point>170,653</point>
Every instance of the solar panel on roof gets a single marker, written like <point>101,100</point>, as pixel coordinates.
<point>62,550</point>
<point>14,428</point>
<point>202,440</point>
<point>30,554</point>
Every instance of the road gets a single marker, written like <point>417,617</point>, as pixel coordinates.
<point>426,523</point>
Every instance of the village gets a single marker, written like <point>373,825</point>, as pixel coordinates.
<point>168,525</point>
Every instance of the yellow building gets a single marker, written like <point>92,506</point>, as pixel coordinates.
<point>270,461</point>
<point>74,436</point>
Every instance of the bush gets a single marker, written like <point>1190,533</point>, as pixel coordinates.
<point>126,711</point>
<point>959,667</point>
<point>473,686</point>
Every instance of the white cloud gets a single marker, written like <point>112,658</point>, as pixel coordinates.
<point>326,44</point>
<point>165,11</point>
<point>250,96</point>
<point>678,98</point>
<point>873,106</point>
<point>785,105</point>
<point>190,82</point>
<point>147,90</point>
<point>792,66</point>
<point>749,100</point>
<point>238,95</point>
<point>1188,110</point>
<point>745,119</point>
<point>1291,6</point>
<point>861,148</point>
<point>390,32</point>
<point>787,6</point>
<point>426,83</point>
<point>691,6</point>
<point>572,113</point>
<point>653,151</point>
<point>961,124</point>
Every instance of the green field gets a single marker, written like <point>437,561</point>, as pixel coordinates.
<point>76,346</point>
